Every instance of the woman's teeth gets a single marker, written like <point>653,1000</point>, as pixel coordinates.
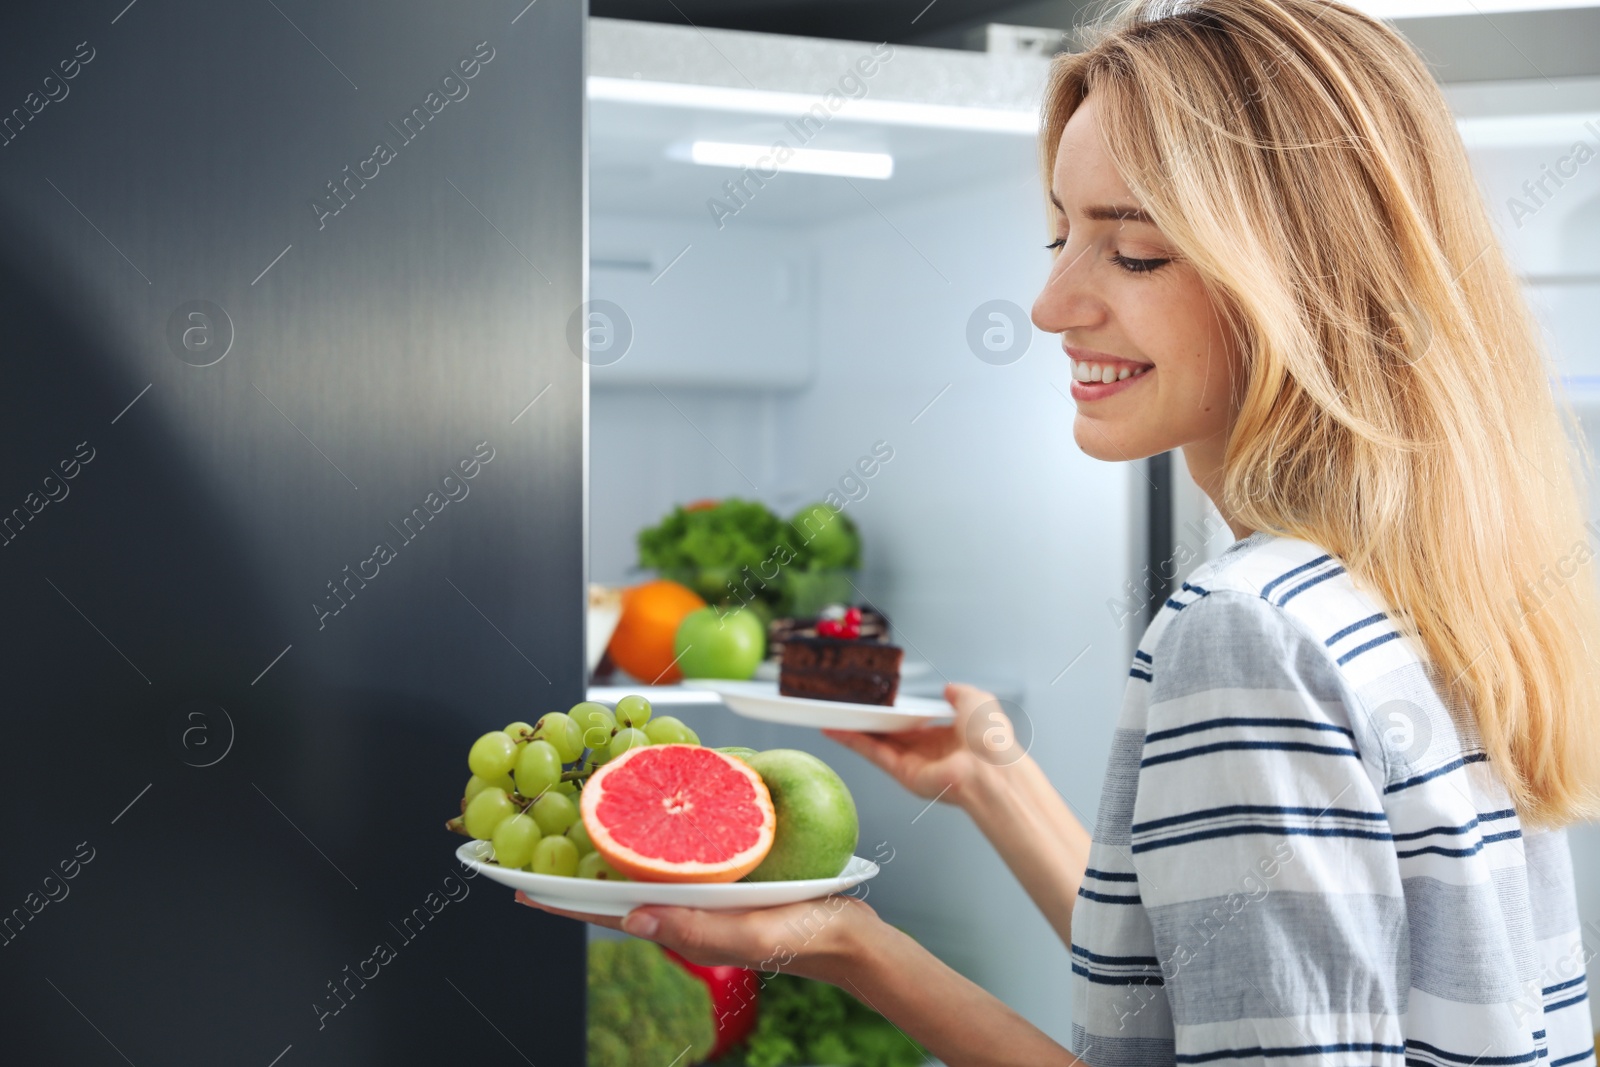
<point>1104,372</point>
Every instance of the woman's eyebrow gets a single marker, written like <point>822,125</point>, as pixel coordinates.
<point>1117,213</point>
<point>1108,212</point>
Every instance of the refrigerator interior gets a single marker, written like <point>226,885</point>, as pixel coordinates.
<point>765,349</point>
<point>827,316</point>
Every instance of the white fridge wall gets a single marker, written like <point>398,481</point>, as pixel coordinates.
<point>707,309</point>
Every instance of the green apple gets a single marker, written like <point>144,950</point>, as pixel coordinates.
<point>720,643</point>
<point>817,823</point>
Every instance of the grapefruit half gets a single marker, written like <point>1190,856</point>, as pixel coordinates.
<point>679,813</point>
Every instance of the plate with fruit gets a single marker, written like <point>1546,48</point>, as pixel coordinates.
<point>600,810</point>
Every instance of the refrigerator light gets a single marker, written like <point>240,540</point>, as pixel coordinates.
<point>1411,9</point>
<point>765,102</point>
<point>800,160</point>
<point>1561,130</point>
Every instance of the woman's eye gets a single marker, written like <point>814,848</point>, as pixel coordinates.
<point>1138,266</point>
<point>1057,243</point>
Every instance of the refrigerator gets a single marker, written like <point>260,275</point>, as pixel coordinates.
<point>292,445</point>
<point>763,333</point>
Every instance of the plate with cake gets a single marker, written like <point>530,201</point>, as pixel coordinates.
<point>834,673</point>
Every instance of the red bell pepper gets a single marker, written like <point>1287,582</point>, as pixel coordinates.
<point>733,1000</point>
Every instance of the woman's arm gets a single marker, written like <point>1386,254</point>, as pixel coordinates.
<point>847,945</point>
<point>954,1019</point>
<point>970,764</point>
<point>1035,833</point>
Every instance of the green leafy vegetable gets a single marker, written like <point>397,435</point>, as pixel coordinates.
<point>645,1010</point>
<point>828,537</point>
<point>801,1022</point>
<point>713,544</point>
<point>740,551</point>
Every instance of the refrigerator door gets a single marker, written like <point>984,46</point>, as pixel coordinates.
<point>291,510</point>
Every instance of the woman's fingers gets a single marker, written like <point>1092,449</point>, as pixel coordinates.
<point>794,937</point>
<point>761,938</point>
<point>680,928</point>
<point>683,930</point>
<point>926,761</point>
<point>869,746</point>
<point>704,937</point>
<point>966,699</point>
<point>969,700</point>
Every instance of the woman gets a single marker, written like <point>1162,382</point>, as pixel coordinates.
<point>1330,829</point>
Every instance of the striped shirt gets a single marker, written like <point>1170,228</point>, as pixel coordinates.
<point>1302,858</point>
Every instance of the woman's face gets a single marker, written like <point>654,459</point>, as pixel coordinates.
<point>1128,308</point>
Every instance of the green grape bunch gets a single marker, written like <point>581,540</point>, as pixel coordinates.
<point>522,796</point>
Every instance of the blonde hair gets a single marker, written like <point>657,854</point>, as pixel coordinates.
<point>1394,405</point>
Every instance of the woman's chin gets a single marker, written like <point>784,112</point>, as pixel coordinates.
<point>1105,441</point>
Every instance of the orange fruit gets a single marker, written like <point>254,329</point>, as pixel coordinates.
<point>679,813</point>
<point>642,641</point>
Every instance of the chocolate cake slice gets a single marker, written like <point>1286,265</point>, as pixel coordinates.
<point>831,668</point>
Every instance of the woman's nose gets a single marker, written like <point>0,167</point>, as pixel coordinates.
<point>1066,302</point>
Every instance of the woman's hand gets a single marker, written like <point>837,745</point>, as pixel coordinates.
<point>978,764</point>
<point>813,939</point>
<point>842,941</point>
<point>943,762</point>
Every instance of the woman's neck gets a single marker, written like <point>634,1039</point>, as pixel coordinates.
<point>1204,460</point>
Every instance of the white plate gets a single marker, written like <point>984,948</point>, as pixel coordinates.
<point>618,898</point>
<point>761,700</point>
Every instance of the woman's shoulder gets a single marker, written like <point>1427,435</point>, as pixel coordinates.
<point>1267,565</point>
<point>1296,590</point>
<point>1279,614</point>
